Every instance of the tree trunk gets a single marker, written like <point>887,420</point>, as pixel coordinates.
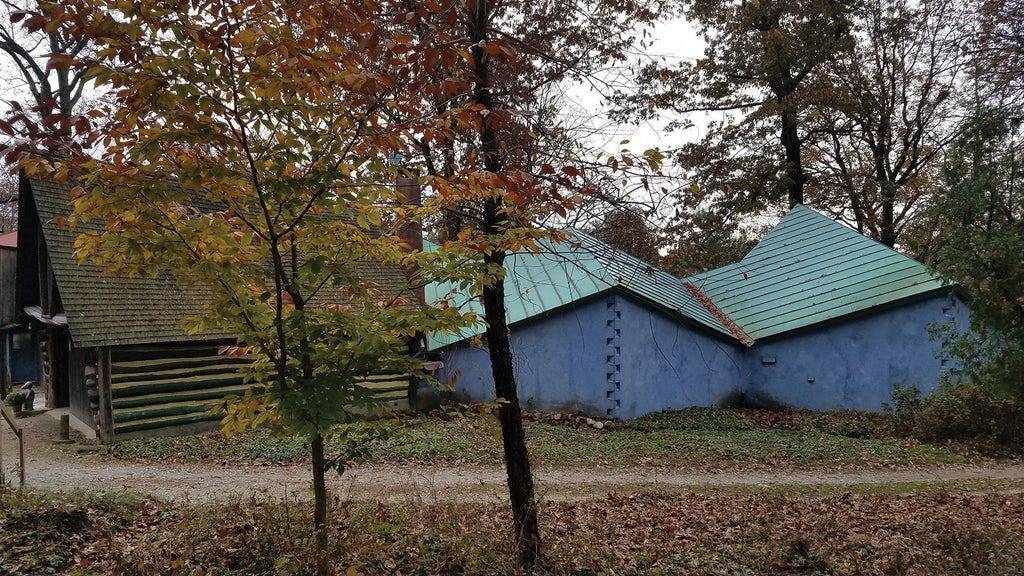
<point>887,228</point>
<point>517,459</point>
<point>495,220</point>
<point>320,505</point>
<point>795,178</point>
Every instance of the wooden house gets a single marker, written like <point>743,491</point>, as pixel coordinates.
<point>111,349</point>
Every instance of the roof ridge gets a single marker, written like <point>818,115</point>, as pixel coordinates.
<point>719,315</point>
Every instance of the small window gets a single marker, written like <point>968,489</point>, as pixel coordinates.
<point>22,341</point>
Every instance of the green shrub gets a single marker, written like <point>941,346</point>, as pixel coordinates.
<point>958,412</point>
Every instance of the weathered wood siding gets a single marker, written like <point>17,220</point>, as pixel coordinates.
<point>161,386</point>
<point>8,264</point>
<point>158,386</point>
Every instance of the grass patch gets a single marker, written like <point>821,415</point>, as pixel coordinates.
<point>657,534</point>
<point>701,438</point>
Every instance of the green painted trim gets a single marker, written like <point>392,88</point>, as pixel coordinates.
<point>156,399</point>
<point>154,365</point>
<point>176,409</point>
<point>163,423</point>
<point>177,385</point>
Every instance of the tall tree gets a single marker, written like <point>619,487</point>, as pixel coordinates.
<point>50,89</point>
<point>981,238</point>
<point>759,61</point>
<point>496,222</point>
<point>245,149</point>
<point>998,48</point>
<point>893,109</point>
<point>53,88</point>
<point>518,50</point>
<point>8,202</point>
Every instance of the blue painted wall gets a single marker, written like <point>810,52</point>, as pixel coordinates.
<point>666,364</point>
<point>608,357</point>
<point>853,365</point>
<point>556,361</point>
<point>616,357</point>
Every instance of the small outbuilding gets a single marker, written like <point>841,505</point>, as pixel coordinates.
<point>17,354</point>
<point>816,316</point>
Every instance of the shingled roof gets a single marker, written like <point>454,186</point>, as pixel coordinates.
<point>811,269</point>
<point>118,310</point>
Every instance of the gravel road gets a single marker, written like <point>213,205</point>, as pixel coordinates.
<point>62,467</point>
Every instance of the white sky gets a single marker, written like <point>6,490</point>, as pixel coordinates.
<point>672,42</point>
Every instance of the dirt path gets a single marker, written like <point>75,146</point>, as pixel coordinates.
<point>58,467</point>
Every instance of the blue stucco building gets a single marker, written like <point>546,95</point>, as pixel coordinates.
<point>815,316</point>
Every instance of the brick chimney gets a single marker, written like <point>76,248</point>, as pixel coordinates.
<point>412,232</point>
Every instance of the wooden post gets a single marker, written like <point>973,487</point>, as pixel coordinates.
<point>106,400</point>
<point>20,433</point>
<point>3,481</point>
<point>6,384</point>
<point>46,366</point>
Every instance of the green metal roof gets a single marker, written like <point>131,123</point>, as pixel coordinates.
<point>811,269</point>
<point>565,272</point>
<point>808,269</point>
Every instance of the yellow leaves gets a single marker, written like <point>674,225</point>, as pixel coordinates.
<point>368,217</point>
<point>245,37</point>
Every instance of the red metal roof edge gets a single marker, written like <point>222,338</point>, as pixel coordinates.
<point>9,240</point>
<point>722,317</point>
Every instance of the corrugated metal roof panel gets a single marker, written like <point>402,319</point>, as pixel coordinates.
<point>811,269</point>
<point>648,281</point>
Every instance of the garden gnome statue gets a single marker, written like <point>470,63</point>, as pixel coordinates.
<point>30,395</point>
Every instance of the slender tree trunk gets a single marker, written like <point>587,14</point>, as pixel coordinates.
<point>517,460</point>
<point>795,177</point>
<point>320,505</point>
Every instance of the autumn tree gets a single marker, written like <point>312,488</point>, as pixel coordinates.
<point>759,65</point>
<point>997,49</point>
<point>523,171</point>
<point>245,151</point>
<point>972,232</point>
<point>50,89</point>
<point>33,55</point>
<point>8,202</point>
<point>752,93</point>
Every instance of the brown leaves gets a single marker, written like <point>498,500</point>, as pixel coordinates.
<point>686,533</point>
